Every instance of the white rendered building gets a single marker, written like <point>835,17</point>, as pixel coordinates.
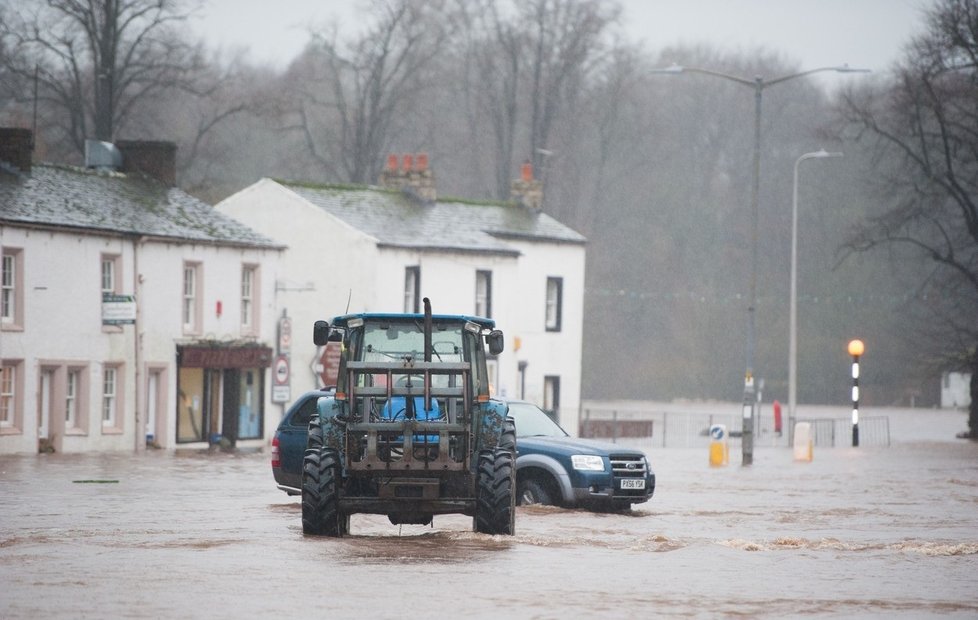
<point>132,314</point>
<point>383,249</point>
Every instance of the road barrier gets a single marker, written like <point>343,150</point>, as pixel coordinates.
<point>803,442</point>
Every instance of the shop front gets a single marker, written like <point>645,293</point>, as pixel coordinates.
<point>221,392</point>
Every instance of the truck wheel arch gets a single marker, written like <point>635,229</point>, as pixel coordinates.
<point>548,470</point>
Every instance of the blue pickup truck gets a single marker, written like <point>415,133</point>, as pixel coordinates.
<point>551,467</point>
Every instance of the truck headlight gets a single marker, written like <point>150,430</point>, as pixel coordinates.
<point>587,462</point>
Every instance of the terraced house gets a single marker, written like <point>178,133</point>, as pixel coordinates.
<point>131,313</point>
<point>384,248</point>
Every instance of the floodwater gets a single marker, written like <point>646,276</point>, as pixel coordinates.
<point>856,532</point>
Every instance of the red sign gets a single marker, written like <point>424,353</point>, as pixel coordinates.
<point>330,362</point>
<point>281,370</point>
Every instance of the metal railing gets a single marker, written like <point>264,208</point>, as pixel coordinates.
<point>690,429</point>
<point>837,432</point>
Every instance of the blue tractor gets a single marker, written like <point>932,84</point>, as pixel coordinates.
<point>411,431</point>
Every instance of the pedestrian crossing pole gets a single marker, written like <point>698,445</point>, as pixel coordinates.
<point>856,348</point>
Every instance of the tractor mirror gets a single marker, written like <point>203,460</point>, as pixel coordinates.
<point>320,333</point>
<point>496,341</point>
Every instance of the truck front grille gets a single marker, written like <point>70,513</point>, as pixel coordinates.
<point>628,466</point>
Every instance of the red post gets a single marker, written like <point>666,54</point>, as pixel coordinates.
<point>777,417</point>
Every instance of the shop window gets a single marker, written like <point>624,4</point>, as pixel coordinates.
<point>192,410</point>
<point>220,404</point>
<point>250,408</point>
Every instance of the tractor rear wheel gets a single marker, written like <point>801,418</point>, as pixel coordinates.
<point>320,495</point>
<point>314,439</point>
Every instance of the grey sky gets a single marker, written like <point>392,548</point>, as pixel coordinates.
<point>813,33</point>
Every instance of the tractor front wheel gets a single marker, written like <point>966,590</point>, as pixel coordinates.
<point>496,494</point>
<point>320,495</point>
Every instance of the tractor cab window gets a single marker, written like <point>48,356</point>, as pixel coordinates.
<point>393,342</point>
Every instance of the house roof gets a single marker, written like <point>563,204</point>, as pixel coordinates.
<point>115,203</point>
<point>396,219</point>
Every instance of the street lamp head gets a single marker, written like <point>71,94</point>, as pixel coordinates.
<point>845,68</point>
<point>673,68</point>
<point>816,155</point>
<point>856,347</point>
<point>824,153</point>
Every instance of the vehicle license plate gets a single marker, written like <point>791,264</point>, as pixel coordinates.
<point>633,483</point>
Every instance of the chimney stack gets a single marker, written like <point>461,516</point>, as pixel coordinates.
<point>526,190</point>
<point>156,159</point>
<point>17,148</point>
<point>412,175</point>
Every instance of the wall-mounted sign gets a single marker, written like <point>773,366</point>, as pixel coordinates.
<point>285,335</point>
<point>118,309</point>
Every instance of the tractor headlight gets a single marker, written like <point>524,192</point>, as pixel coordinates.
<point>587,462</point>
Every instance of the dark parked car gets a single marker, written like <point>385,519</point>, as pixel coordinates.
<point>289,442</point>
<point>551,466</point>
<point>554,468</point>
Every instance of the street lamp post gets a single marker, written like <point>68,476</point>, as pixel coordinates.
<point>758,84</point>
<point>793,320</point>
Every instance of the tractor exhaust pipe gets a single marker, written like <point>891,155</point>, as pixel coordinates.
<point>427,329</point>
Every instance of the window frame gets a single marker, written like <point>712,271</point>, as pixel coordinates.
<point>12,289</point>
<point>112,404</point>
<point>249,298</point>
<point>114,261</point>
<point>412,289</point>
<point>11,397</point>
<point>114,287</point>
<point>551,396</point>
<point>553,305</point>
<point>191,311</point>
<point>483,298</point>
<point>75,377</point>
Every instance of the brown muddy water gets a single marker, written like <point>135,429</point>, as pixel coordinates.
<point>857,532</point>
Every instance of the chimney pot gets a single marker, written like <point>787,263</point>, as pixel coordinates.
<point>408,162</point>
<point>526,190</point>
<point>392,162</point>
<point>421,162</point>
<point>17,147</point>
<point>154,158</point>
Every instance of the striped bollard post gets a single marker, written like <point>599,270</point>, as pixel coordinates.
<point>856,348</point>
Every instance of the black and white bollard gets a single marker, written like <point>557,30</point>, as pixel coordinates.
<point>856,348</point>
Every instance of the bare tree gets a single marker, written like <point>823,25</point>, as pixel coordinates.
<point>353,98</point>
<point>923,128</point>
<point>565,38</point>
<point>496,50</point>
<point>526,65</point>
<point>97,61</point>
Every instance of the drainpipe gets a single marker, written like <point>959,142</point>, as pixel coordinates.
<point>140,430</point>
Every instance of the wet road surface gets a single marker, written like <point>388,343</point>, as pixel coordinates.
<point>884,532</point>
